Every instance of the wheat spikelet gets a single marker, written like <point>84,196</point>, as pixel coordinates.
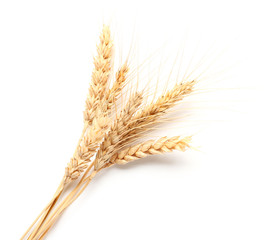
<point>151,147</point>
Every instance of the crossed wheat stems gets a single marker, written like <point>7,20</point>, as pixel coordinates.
<point>111,135</point>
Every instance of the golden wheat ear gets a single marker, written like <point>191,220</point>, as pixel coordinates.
<point>151,147</point>
<point>95,114</point>
<point>152,112</point>
<point>100,75</point>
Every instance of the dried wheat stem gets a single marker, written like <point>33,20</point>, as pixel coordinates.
<point>45,212</point>
<point>75,193</point>
<point>70,171</point>
<point>162,145</point>
<point>141,150</point>
<point>40,216</point>
<point>67,201</point>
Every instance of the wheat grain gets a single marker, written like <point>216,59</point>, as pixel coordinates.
<point>154,110</point>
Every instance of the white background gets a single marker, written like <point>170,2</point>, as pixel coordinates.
<point>228,190</point>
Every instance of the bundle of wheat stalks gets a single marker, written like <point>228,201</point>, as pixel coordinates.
<point>111,134</point>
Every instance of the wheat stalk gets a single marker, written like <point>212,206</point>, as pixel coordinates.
<point>108,134</point>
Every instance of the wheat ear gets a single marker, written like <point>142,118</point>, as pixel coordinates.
<point>151,147</point>
<point>95,116</point>
<point>100,75</point>
<point>155,110</point>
